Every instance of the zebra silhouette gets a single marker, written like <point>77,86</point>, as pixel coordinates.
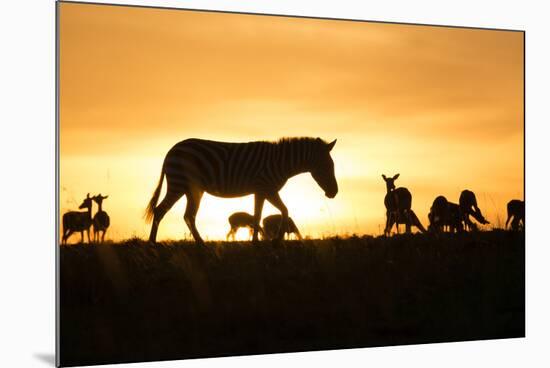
<point>224,169</point>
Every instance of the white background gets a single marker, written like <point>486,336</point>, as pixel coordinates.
<point>27,182</point>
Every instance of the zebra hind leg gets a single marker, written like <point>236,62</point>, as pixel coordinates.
<point>193,203</point>
<point>169,200</point>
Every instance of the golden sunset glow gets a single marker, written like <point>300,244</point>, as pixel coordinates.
<point>441,106</point>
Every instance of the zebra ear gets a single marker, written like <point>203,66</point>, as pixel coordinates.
<point>331,145</point>
<point>384,177</point>
<point>106,197</point>
<point>88,196</point>
<point>395,176</point>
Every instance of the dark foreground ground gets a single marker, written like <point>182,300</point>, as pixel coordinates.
<point>136,302</point>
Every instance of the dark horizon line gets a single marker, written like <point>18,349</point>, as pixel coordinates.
<point>305,238</point>
<point>290,16</point>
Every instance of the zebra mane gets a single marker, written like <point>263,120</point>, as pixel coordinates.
<point>298,140</point>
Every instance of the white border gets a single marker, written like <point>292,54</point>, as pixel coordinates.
<point>27,151</point>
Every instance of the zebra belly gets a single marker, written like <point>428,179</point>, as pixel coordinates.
<point>230,192</point>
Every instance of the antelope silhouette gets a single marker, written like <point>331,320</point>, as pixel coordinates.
<point>402,220</point>
<point>273,223</point>
<point>101,219</point>
<point>398,205</point>
<point>241,219</point>
<point>516,213</point>
<point>78,221</point>
<point>438,213</point>
<point>445,216</point>
<point>468,207</point>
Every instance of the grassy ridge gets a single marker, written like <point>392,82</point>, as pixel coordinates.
<point>132,301</point>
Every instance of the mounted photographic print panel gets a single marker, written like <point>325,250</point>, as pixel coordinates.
<point>233,184</point>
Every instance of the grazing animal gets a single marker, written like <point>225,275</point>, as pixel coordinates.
<point>454,218</point>
<point>414,221</point>
<point>74,221</point>
<point>438,213</point>
<point>398,205</point>
<point>101,219</point>
<point>223,169</point>
<point>445,215</point>
<point>241,219</point>
<point>516,213</point>
<point>468,207</point>
<point>272,225</point>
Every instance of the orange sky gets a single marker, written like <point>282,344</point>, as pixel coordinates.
<point>441,106</point>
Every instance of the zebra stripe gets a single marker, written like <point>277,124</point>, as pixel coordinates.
<point>227,168</point>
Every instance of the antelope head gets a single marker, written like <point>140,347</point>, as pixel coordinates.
<point>87,202</point>
<point>390,182</point>
<point>99,199</point>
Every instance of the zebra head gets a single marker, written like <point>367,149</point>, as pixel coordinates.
<point>323,168</point>
<point>87,203</point>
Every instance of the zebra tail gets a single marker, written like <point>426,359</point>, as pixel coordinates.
<point>150,210</point>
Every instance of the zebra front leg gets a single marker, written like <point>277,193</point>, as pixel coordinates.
<point>193,203</point>
<point>276,201</point>
<point>258,207</point>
